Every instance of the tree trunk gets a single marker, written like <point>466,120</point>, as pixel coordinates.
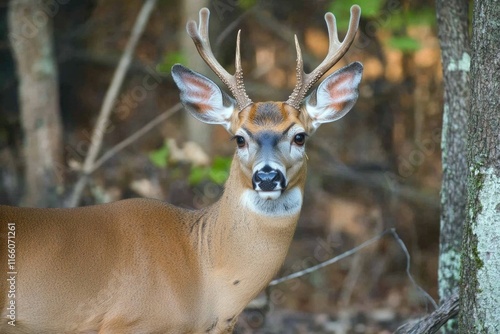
<point>480,274</point>
<point>197,131</point>
<point>30,34</point>
<point>452,17</point>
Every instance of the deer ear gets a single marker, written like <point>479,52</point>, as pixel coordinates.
<point>202,97</point>
<point>335,96</point>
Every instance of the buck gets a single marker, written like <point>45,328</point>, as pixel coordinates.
<point>144,266</point>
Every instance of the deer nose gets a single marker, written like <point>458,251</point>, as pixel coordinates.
<point>267,179</point>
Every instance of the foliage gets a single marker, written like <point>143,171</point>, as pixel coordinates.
<point>394,20</point>
<point>247,4</point>
<point>169,60</point>
<point>159,157</point>
<point>369,9</point>
<point>404,43</point>
<point>218,172</point>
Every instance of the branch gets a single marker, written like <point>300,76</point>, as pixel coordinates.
<point>378,179</point>
<point>138,134</point>
<point>110,99</point>
<point>330,261</point>
<point>433,322</point>
<point>354,250</point>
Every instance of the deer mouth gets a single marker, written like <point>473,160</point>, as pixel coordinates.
<point>269,195</point>
<point>268,182</point>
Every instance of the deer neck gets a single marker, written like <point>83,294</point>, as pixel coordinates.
<point>246,238</point>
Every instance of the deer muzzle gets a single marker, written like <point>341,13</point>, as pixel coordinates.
<point>269,182</point>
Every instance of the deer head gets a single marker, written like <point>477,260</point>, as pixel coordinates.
<point>271,136</point>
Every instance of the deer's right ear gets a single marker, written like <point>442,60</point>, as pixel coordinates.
<point>203,98</point>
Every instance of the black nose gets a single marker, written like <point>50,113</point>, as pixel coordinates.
<point>267,178</point>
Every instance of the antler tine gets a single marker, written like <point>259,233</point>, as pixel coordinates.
<point>333,35</point>
<point>336,50</point>
<point>237,57</point>
<point>200,37</point>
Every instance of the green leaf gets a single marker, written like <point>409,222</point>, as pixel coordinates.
<point>404,43</point>
<point>369,8</point>
<point>222,163</point>
<point>395,22</point>
<point>218,176</point>
<point>423,17</point>
<point>197,175</point>
<point>387,19</point>
<point>247,4</point>
<point>169,60</point>
<point>159,157</point>
<point>218,172</point>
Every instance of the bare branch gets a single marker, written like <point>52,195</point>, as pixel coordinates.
<point>110,100</point>
<point>138,134</point>
<point>408,273</point>
<point>354,250</point>
<point>330,261</point>
<point>434,321</point>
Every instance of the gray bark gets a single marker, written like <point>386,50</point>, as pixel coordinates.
<point>480,274</point>
<point>452,18</point>
<point>197,131</point>
<point>30,34</point>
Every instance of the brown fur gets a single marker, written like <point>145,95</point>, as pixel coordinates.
<point>140,265</point>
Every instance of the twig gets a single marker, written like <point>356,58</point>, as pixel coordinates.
<point>434,321</point>
<point>351,279</point>
<point>110,100</point>
<point>331,261</point>
<point>139,133</point>
<point>410,276</point>
<point>354,250</point>
<point>376,179</point>
<point>230,28</point>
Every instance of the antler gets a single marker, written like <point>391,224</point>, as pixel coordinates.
<point>335,51</point>
<point>202,42</point>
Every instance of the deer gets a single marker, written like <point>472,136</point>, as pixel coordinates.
<point>146,266</point>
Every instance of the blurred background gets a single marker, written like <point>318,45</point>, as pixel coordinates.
<point>376,168</point>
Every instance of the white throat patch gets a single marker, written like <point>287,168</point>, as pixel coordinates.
<point>288,204</point>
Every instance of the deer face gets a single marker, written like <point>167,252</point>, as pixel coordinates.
<point>270,137</point>
<point>270,140</point>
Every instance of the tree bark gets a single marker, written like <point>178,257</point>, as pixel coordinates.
<point>30,34</point>
<point>480,283</point>
<point>197,131</point>
<point>452,18</point>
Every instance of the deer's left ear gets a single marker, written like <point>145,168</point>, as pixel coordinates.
<point>335,96</point>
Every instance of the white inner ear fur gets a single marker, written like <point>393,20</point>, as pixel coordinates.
<point>203,98</point>
<point>335,96</point>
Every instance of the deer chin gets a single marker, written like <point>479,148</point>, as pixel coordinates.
<point>285,203</point>
<point>269,195</point>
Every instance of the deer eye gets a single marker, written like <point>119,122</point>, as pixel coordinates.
<point>299,139</point>
<point>240,141</point>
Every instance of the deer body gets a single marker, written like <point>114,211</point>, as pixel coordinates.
<point>141,265</point>
<point>144,266</point>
